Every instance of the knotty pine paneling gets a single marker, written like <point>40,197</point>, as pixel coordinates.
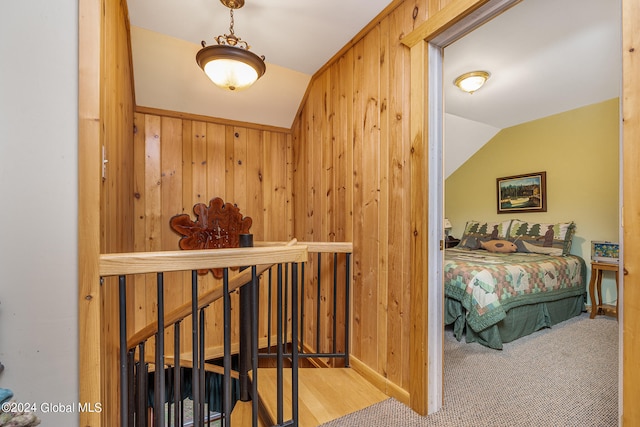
<point>180,162</point>
<point>116,208</point>
<point>90,355</point>
<point>631,213</point>
<point>105,205</point>
<point>351,182</point>
<point>397,129</point>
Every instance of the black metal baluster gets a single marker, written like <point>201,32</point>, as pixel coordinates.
<point>177,389</point>
<point>339,296</point>
<point>294,343</point>
<point>141,373</point>
<point>269,314</point>
<point>335,302</point>
<point>279,355</point>
<point>226,382</point>
<point>347,266</point>
<point>169,374</point>
<point>254,345</point>
<point>302,310</point>
<point>159,374</point>
<point>131,387</point>
<point>181,414</point>
<point>195,378</point>
<point>124,409</point>
<point>201,372</point>
<point>318,317</point>
<point>244,356</point>
<point>286,301</point>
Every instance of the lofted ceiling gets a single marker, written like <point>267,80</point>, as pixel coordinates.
<point>296,37</point>
<point>301,35</point>
<point>544,56</point>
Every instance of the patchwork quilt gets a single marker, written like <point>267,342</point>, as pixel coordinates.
<point>489,284</point>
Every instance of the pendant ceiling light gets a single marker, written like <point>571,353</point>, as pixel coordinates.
<point>471,82</point>
<point>230,64</point>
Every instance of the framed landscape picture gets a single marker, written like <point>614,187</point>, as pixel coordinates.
<point>522,193</point>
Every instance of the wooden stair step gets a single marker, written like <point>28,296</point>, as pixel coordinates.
<point>324,394</point>
<point>241,415</point>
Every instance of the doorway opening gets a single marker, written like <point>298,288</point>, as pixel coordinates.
<point>435,49</point>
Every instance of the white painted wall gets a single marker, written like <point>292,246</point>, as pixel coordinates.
<point>462,138</point>
<point>38,204</point>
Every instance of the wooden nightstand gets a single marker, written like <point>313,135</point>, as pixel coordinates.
<point>595,286</point>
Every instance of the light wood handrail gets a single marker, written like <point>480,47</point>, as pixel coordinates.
<point>207,298</point>
<point>153,262</point>
<point>323,247</point>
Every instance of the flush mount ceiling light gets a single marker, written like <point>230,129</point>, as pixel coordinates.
<point>471,82</point>
<point>230,64</point>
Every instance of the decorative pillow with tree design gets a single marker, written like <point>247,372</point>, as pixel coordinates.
<point>547,238</point>
<point>482,231</point>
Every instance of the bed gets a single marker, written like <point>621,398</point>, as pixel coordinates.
<point>493,298</point>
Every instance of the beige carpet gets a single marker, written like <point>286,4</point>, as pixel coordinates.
<point>564,376</point>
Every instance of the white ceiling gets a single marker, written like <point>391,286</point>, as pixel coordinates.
<point>301,35</point>
<point>570,60</point>
<point>537,70</point>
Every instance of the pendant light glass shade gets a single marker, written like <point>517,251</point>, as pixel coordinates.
<point>229,67</point>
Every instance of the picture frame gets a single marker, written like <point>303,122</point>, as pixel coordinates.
<point>605,252</point>
<point>522,193</point>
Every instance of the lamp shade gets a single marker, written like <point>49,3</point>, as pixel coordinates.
<point>230,67</point>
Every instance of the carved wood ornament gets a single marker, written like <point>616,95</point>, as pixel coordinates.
<point>218,225</point>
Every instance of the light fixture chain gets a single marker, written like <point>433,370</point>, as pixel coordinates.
<point>231,23</point>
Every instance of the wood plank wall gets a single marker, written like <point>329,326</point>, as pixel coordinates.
<point>180,160</point>
<point>105,205</point>
<point>90,359</point>
<point>351,148</point>
<point>117,204</point>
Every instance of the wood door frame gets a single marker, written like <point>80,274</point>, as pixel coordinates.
<point>90,342</point>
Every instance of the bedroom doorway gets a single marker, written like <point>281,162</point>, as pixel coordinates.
<point>437,134</point>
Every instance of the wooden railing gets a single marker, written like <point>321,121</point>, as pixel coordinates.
<point>329,279</point>
<point>137,362</point>
<point>209,297</point>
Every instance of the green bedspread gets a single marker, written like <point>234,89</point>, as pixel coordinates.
<point>490,284</point>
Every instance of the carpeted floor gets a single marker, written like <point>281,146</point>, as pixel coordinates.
<point>564,376</point>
